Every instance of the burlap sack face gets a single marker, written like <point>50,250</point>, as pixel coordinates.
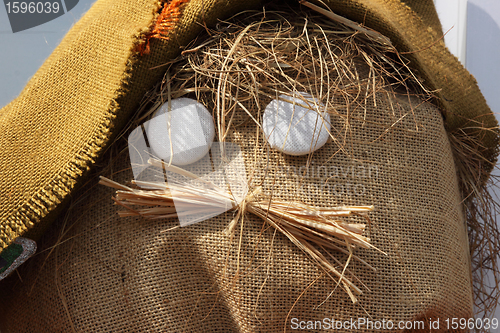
<point>125,274</point>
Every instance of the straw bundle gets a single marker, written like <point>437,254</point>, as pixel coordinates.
<point>299,222</point>
<point>251,59</point>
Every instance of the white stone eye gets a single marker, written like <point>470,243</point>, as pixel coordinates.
<point>296,125</point>
<point>192,131</point>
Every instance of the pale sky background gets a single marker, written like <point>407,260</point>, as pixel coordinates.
<point>474,39</point>
<point>22,53</point>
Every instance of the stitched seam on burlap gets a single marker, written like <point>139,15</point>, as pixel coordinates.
<point>165,25</point>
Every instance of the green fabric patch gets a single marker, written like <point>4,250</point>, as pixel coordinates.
<point>9,255</point>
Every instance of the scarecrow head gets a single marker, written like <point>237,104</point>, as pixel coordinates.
<point>275,165</point>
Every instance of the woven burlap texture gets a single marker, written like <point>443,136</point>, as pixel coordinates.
<point>127,274</point>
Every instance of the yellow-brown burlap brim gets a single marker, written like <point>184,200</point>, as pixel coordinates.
<point>85,92</point>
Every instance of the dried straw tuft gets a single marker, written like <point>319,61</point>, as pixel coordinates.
<point>480,191</point>
<point>301,223</point>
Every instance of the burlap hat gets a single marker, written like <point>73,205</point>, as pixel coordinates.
<point>54,132</point>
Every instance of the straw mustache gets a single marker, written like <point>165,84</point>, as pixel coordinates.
<point>304,225</point>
